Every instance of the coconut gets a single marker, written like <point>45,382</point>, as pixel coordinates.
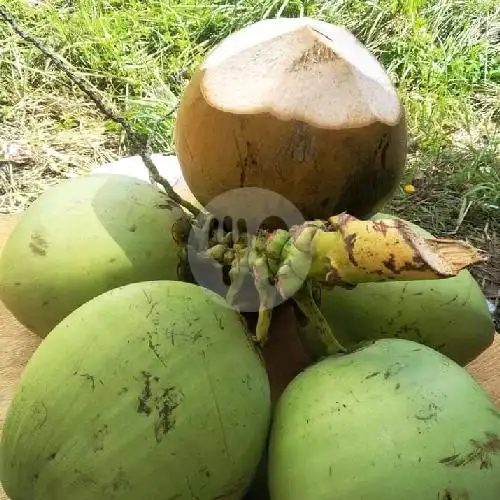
<point>85,236</point>
<point>151,390</point>
<point>296,106</point>
<point>395,419</point>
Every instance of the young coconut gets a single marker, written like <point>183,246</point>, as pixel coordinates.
<point>296,106</point>
<point>360,426</point>
<point>148,391</point>
<point>83,237</point>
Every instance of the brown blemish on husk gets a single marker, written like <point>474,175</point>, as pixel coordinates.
<point>144,397</point>
<point>408,329</point>
<point>167,403</point>
<point>416,265</point>
<point>162,404</point>
<point>344,218</point>
<point>481,453</point>
<point>84,480</point>
<point>332,278</point>
<point>404,232</point>
<point>495,412</point>
<point>38,244</point>
<point>392,370</point>
<point>219,321</point>
<point>316,293</point>
<point>350,240</point>
<point>380,227</point>
<point>154,348</point>
<point>448,495</point>
<point>429,413</point>
<point>98,438</point>
<point>120,481</point>
<point>91,378</point>
<point>331,227</point>
<point>390,263</point>
<point>418,262</point>
<point>445,496</point>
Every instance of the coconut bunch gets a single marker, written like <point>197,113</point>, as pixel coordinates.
<point>157,373</point>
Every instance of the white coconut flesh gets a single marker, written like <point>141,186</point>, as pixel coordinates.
<point>300,69</point>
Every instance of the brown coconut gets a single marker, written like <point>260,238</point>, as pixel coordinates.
<point>296,106</point>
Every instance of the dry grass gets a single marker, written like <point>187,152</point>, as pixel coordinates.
<point>38,152</point>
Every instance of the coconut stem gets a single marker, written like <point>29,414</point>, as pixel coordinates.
<point>314,332</point>
<point>267,296</point>
<point>342,251</point>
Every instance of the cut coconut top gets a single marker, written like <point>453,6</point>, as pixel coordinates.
<point>300,69</point>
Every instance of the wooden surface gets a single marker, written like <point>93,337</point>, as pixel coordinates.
<point>486,370</point>
<point>17,344</point>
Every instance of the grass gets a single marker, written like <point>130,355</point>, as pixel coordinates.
<point>443,56</point>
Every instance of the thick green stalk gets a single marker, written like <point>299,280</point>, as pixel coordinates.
<point>314,332</point>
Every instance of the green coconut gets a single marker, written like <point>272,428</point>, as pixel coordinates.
<point>152,390</point>
<point>449,315</point>
<point>83,237</point>
<point>390,421</point>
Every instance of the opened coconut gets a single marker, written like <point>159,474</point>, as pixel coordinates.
<point>296,106</point>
